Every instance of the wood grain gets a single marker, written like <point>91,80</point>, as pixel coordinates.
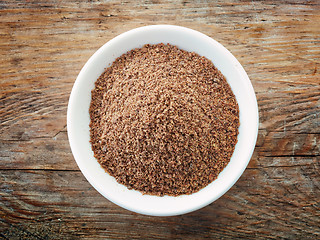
<point>43,46</point>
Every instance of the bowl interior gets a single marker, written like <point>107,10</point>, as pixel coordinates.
<point>78,119</point>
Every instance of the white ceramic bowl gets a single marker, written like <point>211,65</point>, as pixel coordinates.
<point>78,119</point>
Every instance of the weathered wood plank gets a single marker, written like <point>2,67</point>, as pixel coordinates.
<point>38,153</point>
<point>53,153</point>
<point>65,200</point>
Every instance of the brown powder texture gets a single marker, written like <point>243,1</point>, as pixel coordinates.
<point>164,121</point>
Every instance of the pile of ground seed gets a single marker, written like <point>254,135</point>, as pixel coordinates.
<point>164,121</point>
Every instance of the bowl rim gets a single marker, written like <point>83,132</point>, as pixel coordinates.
<point>71,130</point>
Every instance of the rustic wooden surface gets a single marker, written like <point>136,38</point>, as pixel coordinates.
<point>43,46</point>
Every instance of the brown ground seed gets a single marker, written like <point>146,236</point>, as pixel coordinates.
<point>164,121</point>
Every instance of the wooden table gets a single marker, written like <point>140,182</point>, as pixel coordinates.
<point>43,46</point>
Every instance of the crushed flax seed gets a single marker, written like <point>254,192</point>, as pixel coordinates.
<point>164,121</point>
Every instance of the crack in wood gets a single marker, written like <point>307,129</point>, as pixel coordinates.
<point>39,169</point>
<point>294,155</point>
<point>63,129</point>
<point>278,166</point>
